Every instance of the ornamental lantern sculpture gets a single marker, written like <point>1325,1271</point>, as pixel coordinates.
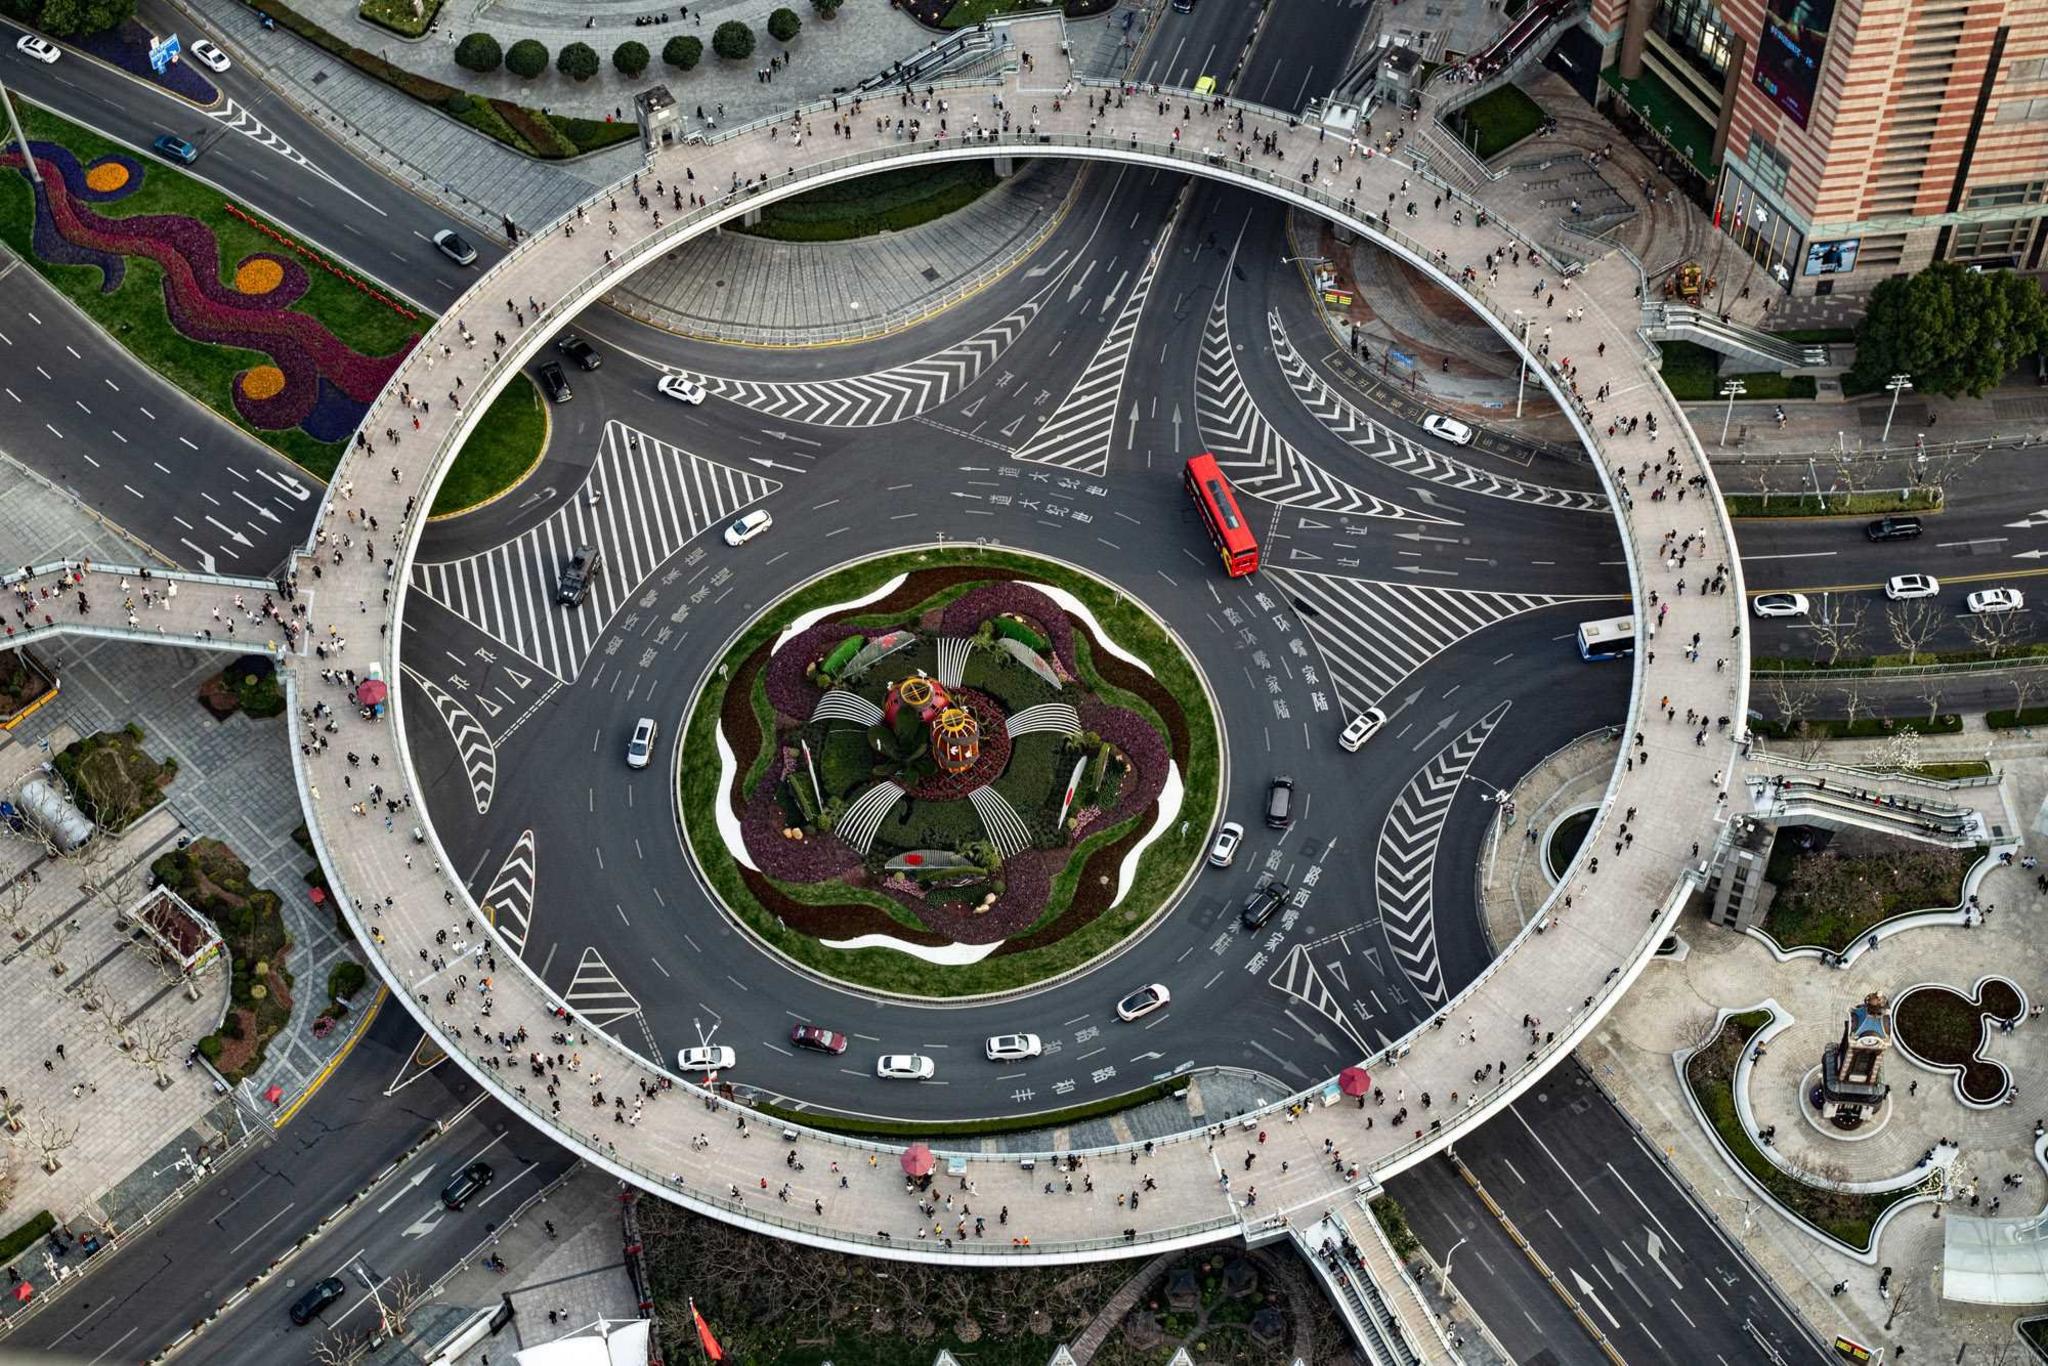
<point>955,735</point>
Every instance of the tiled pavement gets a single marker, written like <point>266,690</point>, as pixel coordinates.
<point>1569,975</point>
<point>1515,880</point>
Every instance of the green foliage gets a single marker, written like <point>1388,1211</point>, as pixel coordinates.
<point>505,443</point>
<point>526,58</point>
<point>842,655</point>
<point>1830,900</point>
<point>1862,728</point>
<point>2007,719</point>
<point>682,51</point>
<point>479,52</point>
<point>631,58</point>
<point>397,15</point>
<point>886,202</point>
<point>1393,1221</point>
<point>346,980</point>
<point>784,25</point>
<point>577,61</point>
<point>24,1237</point>
<point>1834,505</point>
<point>210,1046</point>
<point>111,777</point>
<point>1502,118</point>
<point>1018,631</point>
<point>733,41</point>
<point>69,18</point>
<point>259,694</point>
<point>825,9</point>
<point>1693,375</point>
<point>1954,330</point>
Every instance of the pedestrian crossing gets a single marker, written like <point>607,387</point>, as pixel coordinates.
<point>510,897</point>
<point>472,741</point>
<point>893,395</point>
<point>1258,460</point>
<point>1404,869</point>
<point>1375,442</point>
<point>651,498</point>
<point>1077,436</point>
<point>1374,634</point>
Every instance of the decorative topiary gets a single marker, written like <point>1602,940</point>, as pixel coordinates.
<point>783,25</point>
<point>526,59</point>
<point>577,61</point>
<point>733,41</point>
<point>825,9</point>
<point>682,52</point>
<point>479,52</point>
<point>630,58</point>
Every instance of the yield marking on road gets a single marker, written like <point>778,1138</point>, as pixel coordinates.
<point>1373,633</point>
<point>597,994</point>
<point>652,498</point>
<point>1375,442</point>
<point>509,901</point>
<point>472,741</point>
<point>1404,868</point>
<point>1261,462</point>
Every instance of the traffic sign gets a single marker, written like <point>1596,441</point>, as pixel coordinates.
<point>162,52</point>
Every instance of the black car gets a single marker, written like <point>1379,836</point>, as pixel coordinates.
<point>556,383</point>
<point>579,350</point>
<point>577,576</point>
<point>1260,906</point>
<point>1280,803</point>
<point>467,1185</point>
<point>1893,529</point>
<point>307,1307</point>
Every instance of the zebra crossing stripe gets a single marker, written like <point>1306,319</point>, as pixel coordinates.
<point>652,498</point>
<point>472,741</point>
<point>1404,869</point>
<point>1375,442</point>
<point>1077,436</point>
<point>1373,634</point>
<point>510,897</point>
<point>1261,462</point>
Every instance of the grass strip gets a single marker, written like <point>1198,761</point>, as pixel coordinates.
<point>1862,728</point>
<point>1502,118</point>
<point>24,1236</point>
<point>861,1126</point>
<point>508,441</point>
<point>888,202</point>
<point>1761,505</point>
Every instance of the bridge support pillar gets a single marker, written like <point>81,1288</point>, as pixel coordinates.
<point>1005,167</point>
<point>750,217</point>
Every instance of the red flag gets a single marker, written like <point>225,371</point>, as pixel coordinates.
<point>712,1351</point>
<point>1717,213</point>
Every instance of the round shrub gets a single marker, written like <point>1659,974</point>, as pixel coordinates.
<point>733,41</point>
<point>479,52</point>
<point>458,103</point>
<point>526,59</point>
<point>682,52</point>
<point>630,58</point>
<point>211,1046</point>
<point>578,61</point>
<point>825,9</point>
<point>346,980</point>
<point>783,25</point>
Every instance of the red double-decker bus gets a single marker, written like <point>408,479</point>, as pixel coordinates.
<point>1218,505</point>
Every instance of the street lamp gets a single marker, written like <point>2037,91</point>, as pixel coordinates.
<point>1522,374</point>
<point>1898,384</point>
<point>1444,1288</point>
<point>35,172</point>
<point>1731,391</point>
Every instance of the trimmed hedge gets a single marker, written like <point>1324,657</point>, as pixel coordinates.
<point>784,25</point>
<point>2005,718</point>
<point>630,58</point>
<point>24,1237</point>
<point>1022,634</point>
<point>479,52</point>
<point>888,201</point>
<point>1863,727</point>
<point>577,61</point>
<point>397,15</point>
<point>527,58</point>
<point>682,52</point>
<point>1833,505</point>
<point>733,40</point>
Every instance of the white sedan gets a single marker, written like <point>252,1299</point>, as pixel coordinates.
<point>1143,1002</point>
<point>905,1067</point>
<point>1989,600</point>
<point>1781,605</point>
<point>710,1057</point>
<point>1449,428</point>
<point>209,56</point>
<point>1013,1047</point>
<point>748,527</point>
<point>42,49</point>
<point>681,388</point>
<point>1224,851</point>
<point>1903,586</point>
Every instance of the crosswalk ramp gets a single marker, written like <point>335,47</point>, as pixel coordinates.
<point>652,498</point>
<point>1374,634</point>
<point>1077,436</point>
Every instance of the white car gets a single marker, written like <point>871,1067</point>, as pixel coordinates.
<point>1224,850</point>
<point>1362,728</point>
<point>209,56</point>
<point>640,749</point>
<point>1013,1047</point>
<point>681,388</point>
<point>748,527</point>
<point>1781,605</point>
<point>710,1057</point>
<point>42,49</point>
<point>1143,1002</point>
<point>1988,600</point>
<point>1449,428</point>
<point>1904,586</point>
<point>905,1067</point>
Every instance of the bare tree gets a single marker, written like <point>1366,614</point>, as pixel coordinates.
<point>1913,624</point>
<point>341,1348</point>
<point>1931,688</point>
<point>399,1298</point>
<point>1791,706</point>
<point>1993,632</point>
<point>12,1108</point>
<point>1852,703</point>
<point>50,945</point>
<point>2024,682</point>
<point>1700,1029</point>
<point>155,1043</point>
<point>1840,634</point>
<point>54,1137</point>
<point>14,899</point>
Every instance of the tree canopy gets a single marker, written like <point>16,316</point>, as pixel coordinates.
<point>526,58</point>
<point>783,25</point>
<point>682,52</point>
<point>577,61</point>
<point>630,58</point>
<point>1955,331</point>
<point>479,52</point>
<point>733,40</point>
<point>69,18</point>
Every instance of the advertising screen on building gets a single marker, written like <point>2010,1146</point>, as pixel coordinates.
<point>1789,52</point>
<point>1832,258</point>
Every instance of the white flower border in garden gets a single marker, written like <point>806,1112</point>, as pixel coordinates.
<point>811,618</point>
<point>1170,795</point>
<point>721,809</point>
<point>946,955</point>
<point>1073,606</point>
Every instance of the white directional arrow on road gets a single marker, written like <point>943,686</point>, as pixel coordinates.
<point>1653,1247</point>
<point>787,436</point>
<point>2030,554</point>
<point>418,1179</point>
<point>1586,1292</point>
<point>237,537</point>
<point>1418,536</point>
<point>1419,569</point>
<point>205,560</point>
<point>766,463</point>
<point>2032,519</point>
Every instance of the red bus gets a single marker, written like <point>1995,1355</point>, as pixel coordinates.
<point>1218,506</point>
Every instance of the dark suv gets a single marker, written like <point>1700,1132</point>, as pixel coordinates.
<point>467,1185</point>
<point>1260,906</point>
<point>556,383</point>
<point>307,1307</point>
<point>580,351</point>
<point>577,576</point>
<point>1893,529</point>
<point>1280,803</point>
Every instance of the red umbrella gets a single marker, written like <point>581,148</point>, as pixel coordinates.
<point>371,691</point>
<point>918,1160</point>
<point>273,1093</point>
<point>23,1290</point>
<point>1354,1081</point>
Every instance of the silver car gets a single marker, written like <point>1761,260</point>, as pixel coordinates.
<point>1013,1047</point>
<point>905,1067</point>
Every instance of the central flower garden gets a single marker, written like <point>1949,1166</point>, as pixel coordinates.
<point>954,773</point>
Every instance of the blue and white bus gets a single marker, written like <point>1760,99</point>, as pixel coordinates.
<point>1614,638</point>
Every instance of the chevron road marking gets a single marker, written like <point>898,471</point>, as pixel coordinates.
<point>1260,461</point>
<point>653,498</point>
<point>1297,977</point>
<point>597,993</point>
<point>1405,866</point>
<point>249,126</point>
<point>1375,442</point>
<point>510,897</point>
<point>1373,634</point>
<point>472,741</point>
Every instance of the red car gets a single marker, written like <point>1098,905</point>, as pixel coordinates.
<point>816,1039</point>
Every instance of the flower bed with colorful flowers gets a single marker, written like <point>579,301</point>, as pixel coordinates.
<point>260,326</point>
<point>1038,912</point>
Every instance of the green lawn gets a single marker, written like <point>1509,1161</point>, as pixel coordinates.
<point>397,15</point>
<point>1833,505</point>
<point>888,202</point>
<point>1829,900</point>
<point>1862,728</point>
<point>508,442</point>
<point>1502,118</point>
<point>134,314</point>
<point>1692,373</point>
<point>1662,108</point>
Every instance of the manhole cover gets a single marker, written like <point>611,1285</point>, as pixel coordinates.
<point>930,275</point>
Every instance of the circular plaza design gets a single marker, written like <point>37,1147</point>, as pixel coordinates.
<point>950,773</point>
